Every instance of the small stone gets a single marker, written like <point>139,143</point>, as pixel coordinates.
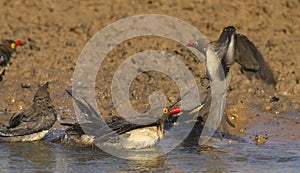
<point>260,140</point>
<point>25,85</point>
<point>295,105</point>
<point>270,44</point>
<point>274,99</point>
<point>233,116</point>
<point>70,43</point>
<point>20,108</point>
<point>267,107</point>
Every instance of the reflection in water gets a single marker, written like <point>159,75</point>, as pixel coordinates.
<point>147,165</point>
<point>43,156</point>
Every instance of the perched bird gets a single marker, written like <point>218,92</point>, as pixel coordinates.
<point>229,48</point>
<point>32,124</point>
<point>115,133</point>
<point>7,48</point>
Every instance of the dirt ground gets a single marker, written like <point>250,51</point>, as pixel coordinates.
<point>57,31</point>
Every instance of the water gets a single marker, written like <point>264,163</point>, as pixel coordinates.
<point>43,156</point>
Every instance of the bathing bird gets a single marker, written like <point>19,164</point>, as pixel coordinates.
<point>31,124</point>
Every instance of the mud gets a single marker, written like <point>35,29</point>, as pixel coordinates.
<point>57,31</point>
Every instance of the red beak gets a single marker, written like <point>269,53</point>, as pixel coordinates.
<point>174,111</point>
<point>18,42</point>
<point>190,44</point>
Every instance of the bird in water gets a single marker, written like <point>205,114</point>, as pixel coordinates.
<point>31,124</point>
<point>230,48</point>
<point>115,133</point>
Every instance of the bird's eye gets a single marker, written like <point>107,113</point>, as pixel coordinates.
<point>13,45</point>
<point>165,110</point>
<point>195,43</point>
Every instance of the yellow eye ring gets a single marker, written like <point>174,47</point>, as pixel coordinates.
<point>13,45</point>
<point>196,43</point>
<point>165,110</point>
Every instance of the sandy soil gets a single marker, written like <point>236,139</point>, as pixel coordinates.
<point>57,31</point>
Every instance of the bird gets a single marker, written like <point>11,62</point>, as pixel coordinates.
<point>237,48</point>
<point>7,48</point>
<point>33,123</point>
<point>116,133</point>
<point>230,48</point>
<point>251,60</point>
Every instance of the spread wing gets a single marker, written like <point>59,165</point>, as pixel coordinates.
<point>252,61</point>
<point>93,124</point>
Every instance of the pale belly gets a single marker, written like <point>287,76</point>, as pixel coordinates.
<point>137,139</point>
<point>31,137</point>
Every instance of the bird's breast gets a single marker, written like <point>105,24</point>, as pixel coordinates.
<point>138,138</point>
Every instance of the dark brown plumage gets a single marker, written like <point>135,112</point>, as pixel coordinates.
<point>251,60</point>
<point>33,123</point>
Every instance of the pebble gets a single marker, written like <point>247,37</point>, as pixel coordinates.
<point>70,43</point>
<point>274,99</point>
<point>25,85</point>
<point>295,105</point>
<point>260,140</point>
<point>267,107</point>
<point>233,116</point>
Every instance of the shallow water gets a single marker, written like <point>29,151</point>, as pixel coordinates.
<point>50,157</point>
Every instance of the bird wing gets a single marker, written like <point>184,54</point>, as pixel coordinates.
<point>245,55</point>
<point>15,120</point>
<point>251,60</point>
<point>203,90</point>
<point>93,124</point>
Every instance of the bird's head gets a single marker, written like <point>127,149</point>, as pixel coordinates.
<point>200,45</point>
<point>170,113</point>
<point>226,35</point>
<point>11,44</point>
<point>42,95</point>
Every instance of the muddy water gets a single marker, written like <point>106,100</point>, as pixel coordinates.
<point>56,32</point>
<point>223,157</point>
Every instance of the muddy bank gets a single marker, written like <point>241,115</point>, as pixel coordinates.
<point>56,33</point>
